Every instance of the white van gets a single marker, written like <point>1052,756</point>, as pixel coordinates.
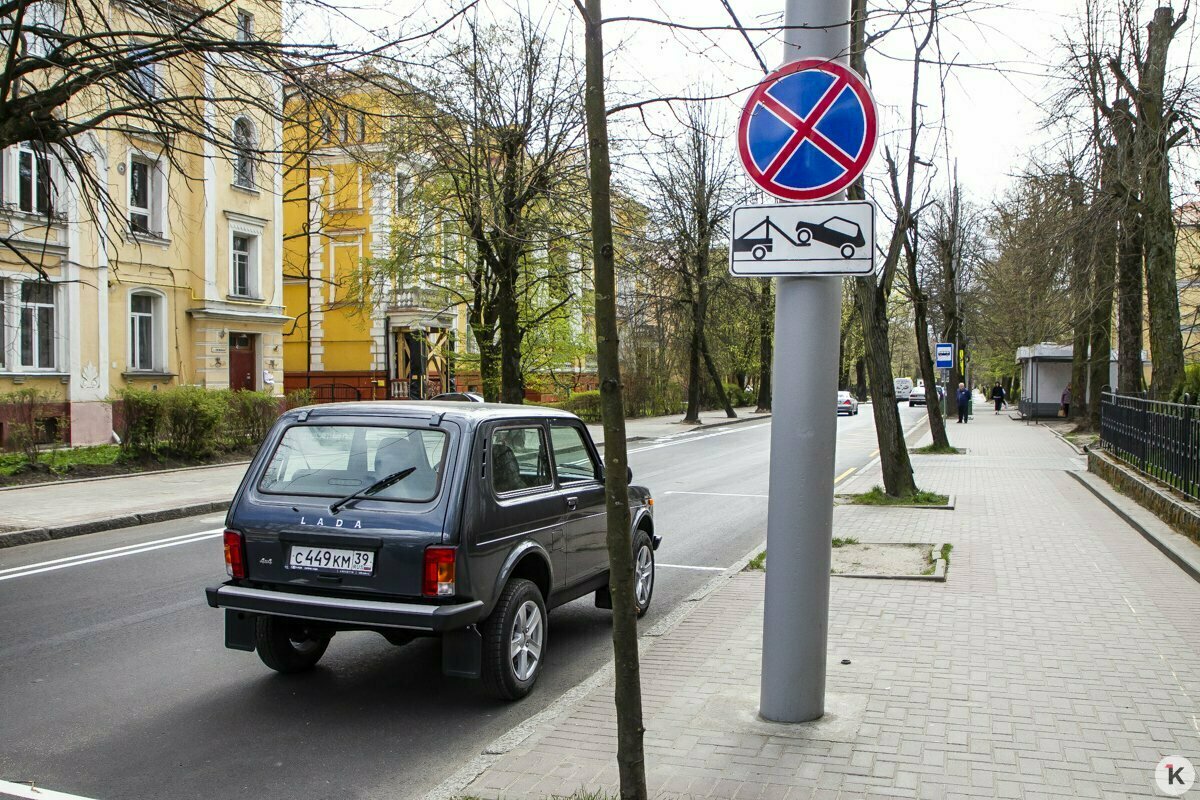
<point>904,387</point>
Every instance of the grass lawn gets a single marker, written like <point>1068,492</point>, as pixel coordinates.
<point>934,450</point>
<point>877,497</point>
<point>60,462</point>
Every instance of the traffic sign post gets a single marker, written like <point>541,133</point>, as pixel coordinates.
<point>834,238</point>
<point>806,134</point>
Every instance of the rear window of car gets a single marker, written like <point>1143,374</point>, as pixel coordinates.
<point>338,460</point>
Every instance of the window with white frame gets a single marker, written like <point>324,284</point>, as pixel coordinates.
<point>35,186</point>
<point>145,323</point>
<point>245,144</point>
<point>38,339</point>
<point>146,195</point>
<point>245,26</point>
<point>401,192</point>
<point>243,249</point>
<point>43,26</point>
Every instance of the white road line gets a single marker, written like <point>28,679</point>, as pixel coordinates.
<point>716,494</point>
<point>89,558</point>
<point>728,430</point>
<point>103,552</point>
<point>691,566</point>
<point>31,792</point>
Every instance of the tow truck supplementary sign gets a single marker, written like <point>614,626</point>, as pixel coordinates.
<point>834,238</point>
<point>808,130</point>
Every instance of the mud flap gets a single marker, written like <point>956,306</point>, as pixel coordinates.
<point>239,630</point>
<point>603,597</point>
<point>462,653</point>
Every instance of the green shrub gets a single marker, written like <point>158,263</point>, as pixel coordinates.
<point>300,397</point>
<point>1189,385</point>
<point>143,421</point>
<point>192,419</point>
<point>249,416</point>
<point>20,409</point>
<point>585,405</point>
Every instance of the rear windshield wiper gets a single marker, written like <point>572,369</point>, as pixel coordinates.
<point>377,486</point>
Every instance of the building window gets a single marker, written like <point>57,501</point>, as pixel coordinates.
<point>243,250</point>
<point>144,324</point>
<point>245,26</point>
<point>38,319</point>
<point>362,127</point>
<point>344,126</point>
<point>35,188</point>
<point>326,132</point>
<point>143,76</point>
<point>401,196</point>
<point>146,196</point>
<point>244,159</point>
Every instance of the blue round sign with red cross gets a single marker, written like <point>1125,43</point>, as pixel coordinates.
<point>808,130</point>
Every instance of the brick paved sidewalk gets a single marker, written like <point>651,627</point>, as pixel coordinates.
<point>1059,660</point>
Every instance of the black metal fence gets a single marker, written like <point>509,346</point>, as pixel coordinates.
<point>1160,439</point>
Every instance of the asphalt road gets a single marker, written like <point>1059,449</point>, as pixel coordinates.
<point>114,681</point>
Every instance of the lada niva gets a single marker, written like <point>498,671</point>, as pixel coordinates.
<point>467,521</point>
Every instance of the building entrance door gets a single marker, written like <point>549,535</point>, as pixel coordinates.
<point>243,358</point>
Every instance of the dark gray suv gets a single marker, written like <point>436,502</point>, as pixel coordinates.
<point>460,520</point>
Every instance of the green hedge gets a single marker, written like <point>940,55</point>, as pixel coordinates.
<point>585,405</point>
<point>1190,385</point>
<point>194,423</point>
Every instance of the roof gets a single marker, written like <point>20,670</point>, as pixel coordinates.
<point>466,412</point>
<point>1049,351</point>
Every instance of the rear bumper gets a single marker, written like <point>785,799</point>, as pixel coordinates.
<point>346,611</point>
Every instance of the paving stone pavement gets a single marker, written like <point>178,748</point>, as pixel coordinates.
<point>1059,660</point>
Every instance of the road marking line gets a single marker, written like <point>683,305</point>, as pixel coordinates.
<point>35,569</point>
<point>31,792</point>
<point>691,566</point>
<point>729,429</point>
<point>717,494</point>
<point>102,552</point>
<point>841,477</point>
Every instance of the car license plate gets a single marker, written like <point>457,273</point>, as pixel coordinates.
<point>328,559</point>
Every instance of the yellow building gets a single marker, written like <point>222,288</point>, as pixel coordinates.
<point>355,336</point>
<point>184,287</point>
<point>1187,257</point>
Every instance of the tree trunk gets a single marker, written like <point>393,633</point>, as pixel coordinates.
<point>694,356</point>
<point>893,452</point>
<point>1129,256</point>
<point>933,406</point>
<point>489,362</point>
<point>1104,265</point>
<point>765,348</point>
<point>722,395</point>
<point>860,379</point>
<point>631,759</point>
<point>512,381</point>
<point>1162,288</point>
<point>1080,290</point>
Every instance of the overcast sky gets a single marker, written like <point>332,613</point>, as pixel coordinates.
<point>994,103</point>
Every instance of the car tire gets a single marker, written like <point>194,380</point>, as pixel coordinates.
<point>847,251</point>
<point>510,665</point>
<point>803,235</point>
<point>759,253</point>
<point>643,572</point>
<point>286,646</point>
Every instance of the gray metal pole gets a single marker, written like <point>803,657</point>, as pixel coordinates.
<point>803,437</point>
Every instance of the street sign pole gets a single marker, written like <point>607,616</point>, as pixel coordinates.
<point>800,506</point>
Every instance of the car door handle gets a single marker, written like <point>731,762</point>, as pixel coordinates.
<point>572,503</point>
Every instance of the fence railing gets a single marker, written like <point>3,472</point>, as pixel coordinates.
<point>1160,439</point>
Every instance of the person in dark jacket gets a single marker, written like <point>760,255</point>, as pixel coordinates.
<point>964,401</point>
<point>998,396</point>
<point>1065,402</point>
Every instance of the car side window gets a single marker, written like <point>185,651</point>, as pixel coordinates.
<point>572,459</point>
<point>519,459</point>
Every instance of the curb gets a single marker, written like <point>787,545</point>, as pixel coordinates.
<point>1080,450</point>
<point>32,535</point>
<point>566,703</point>
<point>1181,560</point>
<point>69,481</point>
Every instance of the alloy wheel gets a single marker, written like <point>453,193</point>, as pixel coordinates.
<point>528,632</point>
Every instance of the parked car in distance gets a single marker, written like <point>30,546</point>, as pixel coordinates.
<point>465,521</point>
<point>904,387</point>
<point>917,398</point>
<point>847,404</point>
<point>458,397</point>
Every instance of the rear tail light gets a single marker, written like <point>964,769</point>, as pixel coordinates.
<point>439,572</point>
<point>235,554</point>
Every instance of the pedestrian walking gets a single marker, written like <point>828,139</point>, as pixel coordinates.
<point>1065,402</point>
<point>964,401</point>
<point>998,396</point>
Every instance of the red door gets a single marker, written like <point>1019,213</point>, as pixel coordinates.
<point>242,361</point>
